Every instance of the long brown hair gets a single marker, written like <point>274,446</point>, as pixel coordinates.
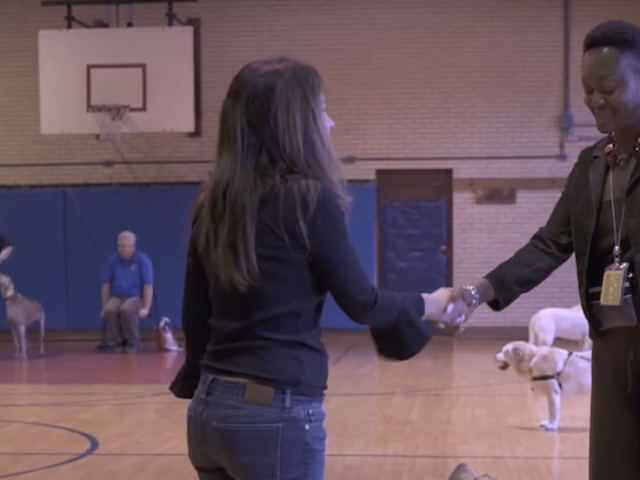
<point>271,134</point>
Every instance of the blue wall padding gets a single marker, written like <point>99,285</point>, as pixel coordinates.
<point>159,216</point>
<point>412,235</point>
<point>62,236</point>
<point>33,220</point>
<point>361,224</point>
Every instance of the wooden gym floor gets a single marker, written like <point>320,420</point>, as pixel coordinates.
<point>77,414</point>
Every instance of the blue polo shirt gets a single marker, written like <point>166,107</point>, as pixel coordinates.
<point>126,277</point>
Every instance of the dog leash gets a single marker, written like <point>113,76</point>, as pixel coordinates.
<point>556,377</point>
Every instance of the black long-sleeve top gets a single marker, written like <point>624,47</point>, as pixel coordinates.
<point>271,333</point>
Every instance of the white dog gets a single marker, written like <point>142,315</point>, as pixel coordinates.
<point>554,372</point>
<point>566,323</point>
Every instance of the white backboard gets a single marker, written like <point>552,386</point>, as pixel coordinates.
<point>151,69</point>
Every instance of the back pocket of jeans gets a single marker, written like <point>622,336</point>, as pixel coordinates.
<point>250,451</point>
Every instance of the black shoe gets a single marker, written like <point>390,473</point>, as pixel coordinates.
<point>107,347</point>
<point>130,347</point>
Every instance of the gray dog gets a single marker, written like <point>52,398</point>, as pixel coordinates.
<point>21,312</point>
<point>464,472</point>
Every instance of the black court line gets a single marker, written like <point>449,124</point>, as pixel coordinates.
<point>94,444</point>
<point>173,402</point>
<point>421,391</point>
<point>92,448</point>
<point>425,391</point>
<point>434,391</point>
<point>62,394</point>
<point>332,455</point>
<point>341,356</point>
<point>86,403</point>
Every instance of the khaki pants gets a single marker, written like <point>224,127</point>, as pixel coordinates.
<point>121,317</point>
<point>614,446</point>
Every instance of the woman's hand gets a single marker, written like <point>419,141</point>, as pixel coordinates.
<point>435,304</point>
<point>462,304</point>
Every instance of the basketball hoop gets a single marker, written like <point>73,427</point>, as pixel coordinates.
<point>109,119</point>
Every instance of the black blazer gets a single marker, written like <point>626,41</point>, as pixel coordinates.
<point>570,229</point>
<point>4,242</point>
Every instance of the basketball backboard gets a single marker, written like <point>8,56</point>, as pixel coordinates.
<point>149,69</point>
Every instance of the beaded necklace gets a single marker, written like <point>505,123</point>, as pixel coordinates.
<point>619,160</point>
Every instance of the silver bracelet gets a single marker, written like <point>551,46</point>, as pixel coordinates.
<point>475,295</point>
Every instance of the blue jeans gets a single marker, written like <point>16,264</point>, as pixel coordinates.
<point>243,431</point>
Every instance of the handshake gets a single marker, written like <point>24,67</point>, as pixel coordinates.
<point>450,308</point>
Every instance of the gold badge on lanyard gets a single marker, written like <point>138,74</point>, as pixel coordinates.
<point>613,282</point>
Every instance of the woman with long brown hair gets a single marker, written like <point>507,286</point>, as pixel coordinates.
<point>269,242</point>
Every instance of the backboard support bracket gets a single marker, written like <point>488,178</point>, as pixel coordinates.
<point>170,15</point>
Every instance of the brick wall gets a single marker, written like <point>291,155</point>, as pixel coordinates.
<point>406,79</point>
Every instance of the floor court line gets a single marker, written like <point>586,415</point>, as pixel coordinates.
<point>92,448</point>
<point>336,455</point>
<point>375,413</point>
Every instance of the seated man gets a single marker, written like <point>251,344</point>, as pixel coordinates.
<point>5,248</point>
<point>127,292</point>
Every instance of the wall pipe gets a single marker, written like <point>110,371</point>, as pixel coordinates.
<point>566,121</point>
<point>351,160</point>
<point>104,163</point>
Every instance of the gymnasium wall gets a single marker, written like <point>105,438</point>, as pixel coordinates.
<point>410,84</point>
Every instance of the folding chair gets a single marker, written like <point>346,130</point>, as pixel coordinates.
<point>148,324</point>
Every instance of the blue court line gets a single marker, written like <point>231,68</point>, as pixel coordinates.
<point>92,448</point>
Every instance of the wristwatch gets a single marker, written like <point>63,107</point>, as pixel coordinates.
<point>474,294</point>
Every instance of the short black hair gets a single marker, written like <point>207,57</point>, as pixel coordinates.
<point>618,34</point>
